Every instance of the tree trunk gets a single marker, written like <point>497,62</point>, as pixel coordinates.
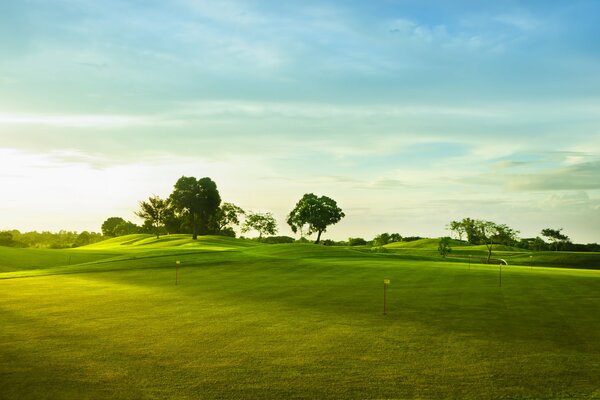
<point>489,246</point>
<point>318,237</point>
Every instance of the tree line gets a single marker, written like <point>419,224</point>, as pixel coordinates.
<point>195,207</point>
<point>53,240</point>
<point>489,233</point>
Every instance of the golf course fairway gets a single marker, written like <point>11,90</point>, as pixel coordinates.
<point>290,321</point>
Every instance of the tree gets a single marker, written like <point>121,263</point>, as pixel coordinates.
<point>444,246</point>
<point>126,228</point>
<point>108,226</point>
<point>83,239</point>
<point>198,200</point>
<point>357,242</point>
<point>6,238</point>
<point>316,212</point>
<point>395,237</point>
<point>458,228</point>
<point>555,236</point>
<point>492,233</point>
<point>227,215</point>
<point>385,238</point>
<point>154,212</point>
<point>264,224</point>
<point>472,229</point>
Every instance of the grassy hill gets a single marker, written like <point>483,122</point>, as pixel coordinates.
<point>290,321</point>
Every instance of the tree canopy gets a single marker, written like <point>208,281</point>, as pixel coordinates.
<point>199,200</point>
<point>315,212</point>
<point>155,212</point>
<point>555,236</point>
<point>264,224</point>
<point>109,226</point>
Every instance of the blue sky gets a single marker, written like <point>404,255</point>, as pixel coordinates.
<point>409,114</point>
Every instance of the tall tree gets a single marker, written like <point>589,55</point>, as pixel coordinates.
<point>315,212</point>
<point>199,200</point>
<point>264,224</point>
<point>154,212</point>
<point>555,236</point>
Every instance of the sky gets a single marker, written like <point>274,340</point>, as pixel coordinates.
<point>409,114</point>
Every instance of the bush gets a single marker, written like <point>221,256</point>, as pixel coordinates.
<point>278,239</point>
<point>357,242</point>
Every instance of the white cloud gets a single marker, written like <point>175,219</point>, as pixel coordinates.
<point>78,121</point>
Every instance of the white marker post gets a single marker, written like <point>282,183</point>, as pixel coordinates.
<point>177,271</point>
<point>386,282</point>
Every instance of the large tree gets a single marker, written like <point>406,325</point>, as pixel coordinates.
<point>109,226</point>
<point>492,233</point>
<point>264,224</point>
<point>315,212</point>
<point>199,200</point>
<point>555,236</point>
<point>154,212</point>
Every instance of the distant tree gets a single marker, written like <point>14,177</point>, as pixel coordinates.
<point>538,244</point>
<point>126,228</point>
<point>444,246</point>
<point>395,237</point>
<point>357,242</point>
<point>6,238</point>
<point>264,224</point>
<point>83,239</point>
<point>386,238</point>
<point>382,239</point>
<point>278,239</point>
<point>535,244</point>
<point>458,228</point>
<point>154,212</point>
<point>555,236</point>
<point>411,238</point>
<point>315,212</point>
<point>108,226</point>
<point>199,200</point>
<point>492,233</point>
<point>472,228</point>
<point>225,218</point>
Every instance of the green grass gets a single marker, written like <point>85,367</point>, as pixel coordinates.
<point>292,321</point>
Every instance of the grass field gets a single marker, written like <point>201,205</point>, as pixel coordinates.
<point>290,321</point>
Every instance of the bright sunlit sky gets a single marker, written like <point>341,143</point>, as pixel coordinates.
<point>408,113</point>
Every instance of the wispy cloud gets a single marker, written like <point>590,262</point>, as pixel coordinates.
<point>79,121</point>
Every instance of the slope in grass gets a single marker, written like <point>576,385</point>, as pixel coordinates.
<point>18,259</point>
<point>256,325</point>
